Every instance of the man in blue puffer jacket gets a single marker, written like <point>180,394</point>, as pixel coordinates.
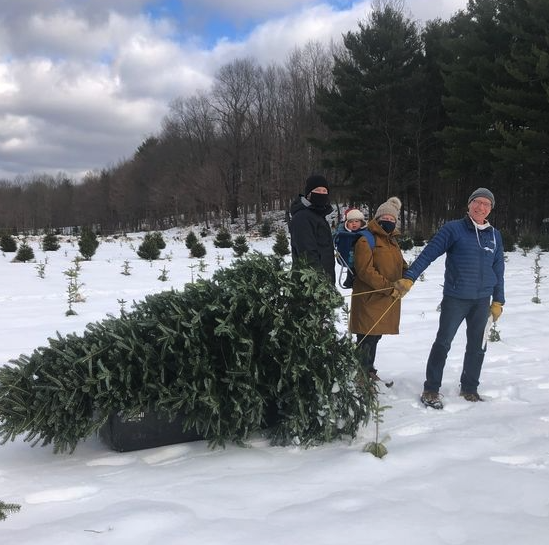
<point>473,290</point>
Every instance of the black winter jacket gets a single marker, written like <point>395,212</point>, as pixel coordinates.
<point>311,236</point>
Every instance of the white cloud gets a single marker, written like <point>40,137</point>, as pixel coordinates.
<point>81,86</point>
<point>160,69</point>
<point>274,40</point>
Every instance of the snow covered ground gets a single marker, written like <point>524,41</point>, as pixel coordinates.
<point>470,474</point>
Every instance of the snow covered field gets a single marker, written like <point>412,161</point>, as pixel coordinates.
<point>470,474</point>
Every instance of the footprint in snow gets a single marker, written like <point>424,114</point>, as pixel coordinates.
<point>167,455</point>
<point>519,460</point>
<point>71,493</point>
<point>112,461</point>
<point>409,431</point>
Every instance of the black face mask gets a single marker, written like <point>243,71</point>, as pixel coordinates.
<point>387,226</point>
<point>319,200</point>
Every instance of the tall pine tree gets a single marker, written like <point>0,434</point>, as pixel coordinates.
<point>372,108</point>
<point>474,42</point>
<point>521,108</point>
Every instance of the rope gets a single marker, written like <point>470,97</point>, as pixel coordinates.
<point>363,293</point>
<point>366,292</point>
<point>378,320</point>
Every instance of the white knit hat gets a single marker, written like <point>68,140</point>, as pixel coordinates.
<point>354,214</point>
<point>391,208</point>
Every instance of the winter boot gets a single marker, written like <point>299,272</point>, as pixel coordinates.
<point>432,399</point>
<point>472,396</point>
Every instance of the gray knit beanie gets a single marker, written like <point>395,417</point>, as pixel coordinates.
<point>482,192</point>
<point>391,207</point>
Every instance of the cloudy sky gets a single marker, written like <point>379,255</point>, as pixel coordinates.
<point>84,82</point>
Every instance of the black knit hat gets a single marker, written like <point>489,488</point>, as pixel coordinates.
<point>314,181</point>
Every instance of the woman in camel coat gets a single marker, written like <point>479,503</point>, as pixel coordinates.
<point>377,269</point>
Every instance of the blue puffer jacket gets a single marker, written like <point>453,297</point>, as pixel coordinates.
<point>474,266</point>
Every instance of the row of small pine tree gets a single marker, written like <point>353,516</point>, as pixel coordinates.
<point>149,249</point>
<point>87,244</point>
<point>50,243</point>
<point>153,243</point>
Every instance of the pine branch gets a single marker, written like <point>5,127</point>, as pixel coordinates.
<point>8,508</point>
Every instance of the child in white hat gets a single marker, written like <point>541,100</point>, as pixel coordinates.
<point>354,219</point>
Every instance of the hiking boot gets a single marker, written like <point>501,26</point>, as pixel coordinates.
<point>431,399</point>
<point>473,396</point>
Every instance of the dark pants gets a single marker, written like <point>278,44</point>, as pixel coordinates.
<point>367,345</point>
<point>453,311</point>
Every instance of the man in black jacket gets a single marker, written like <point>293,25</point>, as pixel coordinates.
<point>310,233</point>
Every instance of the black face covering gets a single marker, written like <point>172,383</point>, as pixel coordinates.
<point>387,226</point>
<point>319,199</point>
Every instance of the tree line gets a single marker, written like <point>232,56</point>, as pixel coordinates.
<point>426,113</point>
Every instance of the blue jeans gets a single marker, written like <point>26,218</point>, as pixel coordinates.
<point>475,312</point>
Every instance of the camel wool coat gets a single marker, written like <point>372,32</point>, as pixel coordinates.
<point>376,268</point>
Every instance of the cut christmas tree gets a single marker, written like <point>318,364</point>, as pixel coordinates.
<point>255,347</point>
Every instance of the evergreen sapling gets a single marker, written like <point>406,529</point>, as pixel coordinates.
<point>266,228</point>
<point>163,274</point>
<point>73,288</point>
<point>537,278</point>
<point>148,249</point>
<point>88,243</point>
<point>8,244</point>
<point>198,249</point>
<point>122,303</point>
<point>190,240</point>
<point>240,246</point>
<point>126,268</point>
<point>281,246</point>
<point>8,508</point>
<point>192,267</point>
<point>376,447</point>
<point>24,253</point>
<point>223,239</point>
<point>526,243</point>
<point>544,242</point>
<point>41,269</point>
<point>50,243</point>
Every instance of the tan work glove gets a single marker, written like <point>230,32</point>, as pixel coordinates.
<point>395,294</point>
<point>496,309</point>
<point>404,285</point>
